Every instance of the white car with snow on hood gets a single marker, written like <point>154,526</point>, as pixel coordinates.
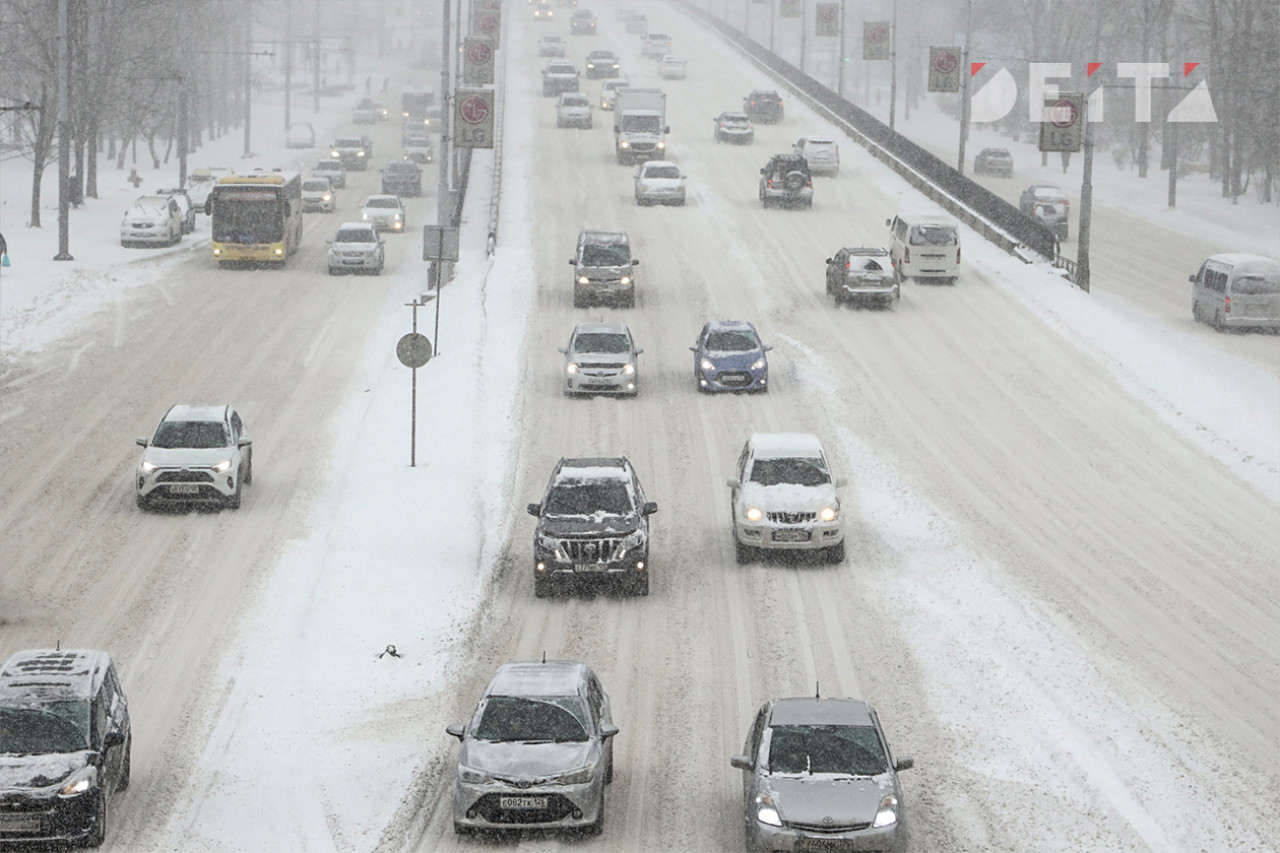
<point>784,498</point>
<point>659,182</point>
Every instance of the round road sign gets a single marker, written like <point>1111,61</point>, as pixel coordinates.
<point>479,53</point>
<point>944,61</point>
<point>1063,113</point>
<point>474,109</point>
<point>413,350</point>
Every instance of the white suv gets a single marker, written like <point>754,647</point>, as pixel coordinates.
<point>356,248</point>
<point>784,498</point>
<point>822,153</point>
<point>198,454</point>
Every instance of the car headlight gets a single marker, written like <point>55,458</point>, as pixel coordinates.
<point>359,153</point>
<point>577,777</point>
<point>759,365</point>
<point>887,814</point>
<point>334,154</point>
<point>662,145</point>
<point>753,513</point>
<point>828,513</point>
<point>471,776</point>
<point>79,782</point>
<point>364,216</point>
<point>624,144</point>
<point>571,368</point>
<point>629,369</point>
<point>219,467</point>
<point>148,467</point>
<point>626,279</point>
<point>631,540</point>
<point>328,197</point>
<point>582,279</point>
<point>707,364</point>
<point>766,811</point>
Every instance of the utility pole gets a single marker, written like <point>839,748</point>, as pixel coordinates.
<point>288,61</point>
<point>444,216</point>
<point>965,75</point>
<point>64,140</point>
<point>248,84</point>
<point>1086,206</point>
<point>893,65</point>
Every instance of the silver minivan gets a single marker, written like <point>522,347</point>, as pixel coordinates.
<point>1237,290</point>
<point>603,269</point>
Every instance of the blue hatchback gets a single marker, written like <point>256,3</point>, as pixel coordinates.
<point>729,356</point>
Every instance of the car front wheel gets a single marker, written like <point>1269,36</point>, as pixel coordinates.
<point>233,502</point>
<point>744,553</point>
<point>835,554</point>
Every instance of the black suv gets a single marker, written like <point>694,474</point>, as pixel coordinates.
<point>763,105</point>
<point>785,180</point>
<point>593,527</point>
<point>64,745</point>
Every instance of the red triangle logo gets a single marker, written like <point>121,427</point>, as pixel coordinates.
<point>1093,66</point>
<point>975,67</point>
<point>1188,67</point>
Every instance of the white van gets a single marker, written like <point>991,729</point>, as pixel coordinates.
<point>1237,291</point>
<point>925,246</point>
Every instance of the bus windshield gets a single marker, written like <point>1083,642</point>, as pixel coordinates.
<point>238,220</point>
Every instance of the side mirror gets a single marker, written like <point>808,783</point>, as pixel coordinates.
<point>564,350</point>
<point>635,262</point>
<point>457,730</point>
<point>572,262</point>
<point>733,482</point>
<point>888,222</point>
<point>245,442</point>
<point>841,482</point>
<point>666,128</point>
<point>767,347</point>
<point>693,349</point>
<point>639,350</point>
<point>762,172</point>
<point>609,730</point>
<point>1191,278</point>
<point>904,764</point>
<point>535,509</point>
<point>650,507</point>
<point>828,260</point>
<point>742,762</point>
<point>142,442</point>
<point>111,739</point>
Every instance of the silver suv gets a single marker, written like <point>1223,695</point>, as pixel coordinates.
<point>603,269</point>
<point>198,454</point>
<point>601,358</point>
<point>537,752</point>
<point>784,498</point>
<point>356,248</point>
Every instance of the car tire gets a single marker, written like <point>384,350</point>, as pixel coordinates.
<point>247,479</point>
<point>233,502</point>
<point>332,271</point>
<point>744,553</point>
<point>579,301</point>
<point>464,831</point>
<point>126,766</point>
<point>1218,325</point>
<point>639,585</point>
<point>541,587</point>
<point>630,301</point>
<point>594,829</point>
<point>144,503</point>
<point>835,554</point>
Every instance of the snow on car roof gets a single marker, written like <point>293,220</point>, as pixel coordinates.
<point>53,673</point>
<point>595,468</point>
<point>601,329</point>
<point>196,412</point>
<point>807,711</point>
<point>781,445</point>
<point>532,678</point>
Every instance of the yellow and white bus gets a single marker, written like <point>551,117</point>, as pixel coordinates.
<point>256,218</point>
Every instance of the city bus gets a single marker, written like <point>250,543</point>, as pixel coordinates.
<point>255,218</point>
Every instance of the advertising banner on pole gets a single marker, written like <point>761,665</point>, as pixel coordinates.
<point>790,9</point>
<point>875,40</point>
<point>1062,122</point>
<point>477,60</point>
<point>826,20</point>
<point>486,21</point>
<point>944,69</point>
<point>473,118</point>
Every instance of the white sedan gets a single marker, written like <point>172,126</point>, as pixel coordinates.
<point>384,212</point>
<point>673,67</point>
<point>152,220</point>
<point>573,110</point>
<point>659,182</point>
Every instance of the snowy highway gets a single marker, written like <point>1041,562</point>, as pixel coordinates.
<point>1059,596</point>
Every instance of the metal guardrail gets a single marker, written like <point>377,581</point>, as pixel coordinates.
<point>996,219</point>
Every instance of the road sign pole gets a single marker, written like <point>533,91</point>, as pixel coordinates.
<point>414,351</point>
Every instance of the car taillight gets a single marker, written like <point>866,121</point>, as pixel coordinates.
<point>1226,305</point>
<point>848,264</point>
<point>957,254</point>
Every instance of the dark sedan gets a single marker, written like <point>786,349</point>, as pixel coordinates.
<point>402,178</point>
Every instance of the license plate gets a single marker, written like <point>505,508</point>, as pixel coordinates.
<point>522,802</point>
<point>791,536</point>
<point>821,844</point>
<point>184,489</point>
<point>598,380</point>
<point>589,567</point>
<point>18,823</point>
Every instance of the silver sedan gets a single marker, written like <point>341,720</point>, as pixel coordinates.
<point>537,752</point>
<point>819,775</point>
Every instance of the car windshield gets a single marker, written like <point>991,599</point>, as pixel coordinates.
<point>510,718</point>
<point>401,169</point>
<point>54,728</point>
<point>349,142</point>
<point>732,342</point>
<point>607,255</point>
<point>609,497</point>
<point>844,750</point>
<point>560,68</point>
<point>200,435</point>
<point>934,235</point>
<point>601,342</point>
<point>662,172</point>
<point>796,470</point>
<point>352,235</point>
<point>382,202</point>
<point>329,166</point>
<point>315,186</point>
<point>575,101</point>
